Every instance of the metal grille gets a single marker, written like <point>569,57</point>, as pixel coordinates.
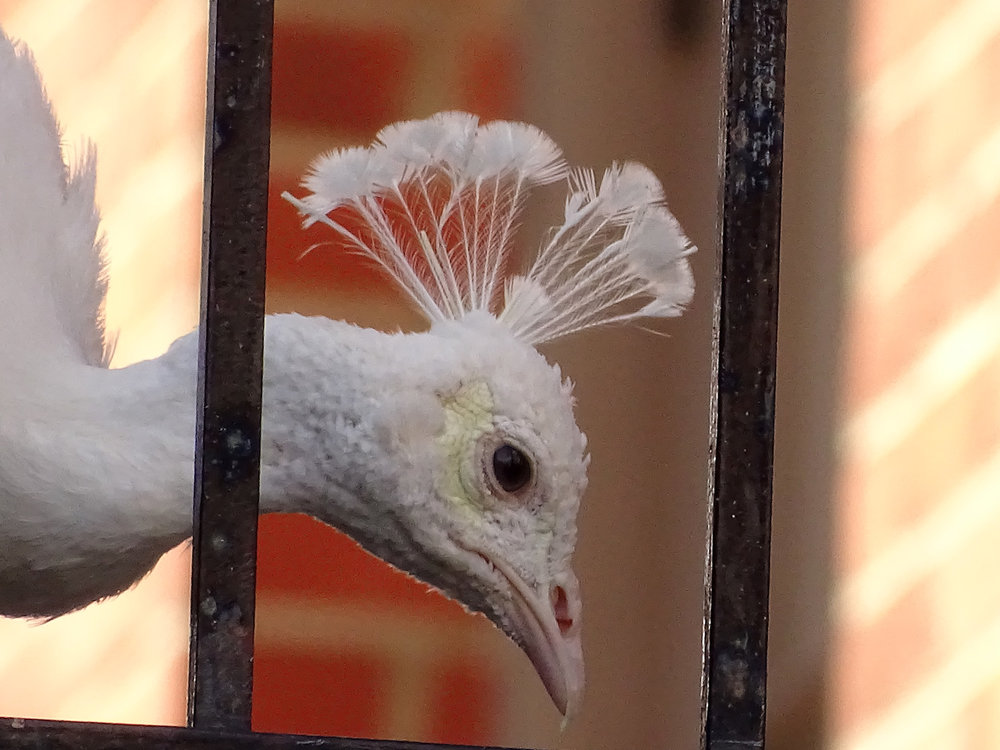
<point>230,365</point>
<point>734,685</point>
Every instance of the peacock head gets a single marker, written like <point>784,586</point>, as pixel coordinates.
<point>490,438</point>
<point>510,468</point>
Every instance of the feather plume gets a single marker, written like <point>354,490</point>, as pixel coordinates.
<point>618,256</point>
<point>436,203</point>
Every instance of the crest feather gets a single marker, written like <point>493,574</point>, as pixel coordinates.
<point>436,202</point>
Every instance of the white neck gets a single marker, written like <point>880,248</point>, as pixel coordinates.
<point>96,465</point>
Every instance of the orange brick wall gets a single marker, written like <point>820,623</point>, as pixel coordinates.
<point>916,660</point>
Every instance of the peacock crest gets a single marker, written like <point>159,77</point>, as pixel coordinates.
<point>436,204</point>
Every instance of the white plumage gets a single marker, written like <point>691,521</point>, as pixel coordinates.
<point>453,454</point>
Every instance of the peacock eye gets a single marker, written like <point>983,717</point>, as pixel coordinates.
<point>511,468</point>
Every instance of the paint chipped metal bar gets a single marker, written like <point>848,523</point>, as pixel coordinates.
<point>227,461</point>
<point>743,385</point>
<point>34,734</point>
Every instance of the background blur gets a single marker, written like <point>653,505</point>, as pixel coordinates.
<point>885,617</point>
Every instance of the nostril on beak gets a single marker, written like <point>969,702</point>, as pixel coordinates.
<point>560,607</point>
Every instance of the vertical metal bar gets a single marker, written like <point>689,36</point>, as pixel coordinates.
<point>742,431</point>
<point>227,462</point>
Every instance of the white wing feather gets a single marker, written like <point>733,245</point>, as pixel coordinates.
<point>52,280</point>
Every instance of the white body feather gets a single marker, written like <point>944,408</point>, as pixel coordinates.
<point>452,454</point>
<point>91,496</point>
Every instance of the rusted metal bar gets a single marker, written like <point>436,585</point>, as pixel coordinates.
<point>743,385</point>
<point>32,734</point>
<point>227,461</point>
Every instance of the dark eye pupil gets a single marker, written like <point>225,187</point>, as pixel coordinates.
<point>511,467</point>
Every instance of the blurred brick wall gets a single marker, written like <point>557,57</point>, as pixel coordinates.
<point>916,662</point>
<point>344,70</point>
<point>383,657</point>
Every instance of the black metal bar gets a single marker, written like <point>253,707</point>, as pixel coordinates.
<point>227,462</point>
<point>33,734</point>
<point>742,431</point>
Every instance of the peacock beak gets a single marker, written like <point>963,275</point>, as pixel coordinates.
<point>546,624</point>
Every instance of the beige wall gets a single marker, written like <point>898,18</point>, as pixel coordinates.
<point>608,83</point>
<point>809,346</point>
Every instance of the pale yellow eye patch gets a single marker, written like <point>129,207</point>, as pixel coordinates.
<point>468,415</point>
